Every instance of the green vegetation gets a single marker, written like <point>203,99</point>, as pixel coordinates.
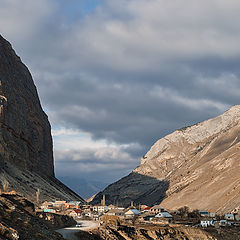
<point>184,128</point>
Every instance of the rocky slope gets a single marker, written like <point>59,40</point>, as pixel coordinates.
<point>124,232</point>
<point>26,156</point>
<point>18,220</point>
<point>196,166</point>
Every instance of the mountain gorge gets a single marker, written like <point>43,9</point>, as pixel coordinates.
<point>26,151</point>
<point>196,166</point>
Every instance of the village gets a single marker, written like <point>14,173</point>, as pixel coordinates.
<point>143,214</point>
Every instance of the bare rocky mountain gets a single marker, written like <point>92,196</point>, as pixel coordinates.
<point>196,166</point>
<point>26,155</point>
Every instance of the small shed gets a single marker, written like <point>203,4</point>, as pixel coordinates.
<point>204,213</point>
<point>229,216</point>
<point>237,217</point>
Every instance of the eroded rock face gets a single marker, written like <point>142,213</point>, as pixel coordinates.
<point>18,220</point>
<point>26,155</point>
<point>200,164</point>
<point>25,133</point>
<point>146,232</point>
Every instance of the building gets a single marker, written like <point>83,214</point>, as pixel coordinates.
<point>71,213</point>
<point>74,204</point>
<point>132,213</point>
<point>204,213</point>
<point>47,205</point>
<point>237,217</point>
<point>111,206</point>
<point>146,209</point>
<point>115,212</point>
<point>103,202</point>
<point>205,223</point>
<point>49,210</point>
<point>59,204</point>
<point>100,208</point>
<point>156,209</point>
<point>147,216</point>
<point>141,207</point>
<point>229,216</point>
<point>164,215</point>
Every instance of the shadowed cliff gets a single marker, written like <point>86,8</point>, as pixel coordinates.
<point>139,188</point>
<point>26,151</point>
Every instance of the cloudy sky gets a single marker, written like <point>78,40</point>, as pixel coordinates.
<point>116,75</point>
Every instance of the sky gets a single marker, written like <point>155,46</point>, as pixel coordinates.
<point>114,76</point>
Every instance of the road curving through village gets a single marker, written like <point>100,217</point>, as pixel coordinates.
<point>69,232</point>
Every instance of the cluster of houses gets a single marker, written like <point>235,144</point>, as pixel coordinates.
<point>72,208</point>
<point>209,219</point>
<point>76,210</point>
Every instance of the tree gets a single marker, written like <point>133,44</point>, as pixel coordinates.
<point>183,211</point>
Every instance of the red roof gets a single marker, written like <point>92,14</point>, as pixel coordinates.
<point>78,211</point>
<point>147,208</point>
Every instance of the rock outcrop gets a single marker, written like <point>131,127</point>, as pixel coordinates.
<point>196,166</point>
<point>26,156</point>
<point>145,232</point>
<point>18,220</point>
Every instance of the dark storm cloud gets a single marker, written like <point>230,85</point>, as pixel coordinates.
<point>131,71</point>
<point>95,164</point>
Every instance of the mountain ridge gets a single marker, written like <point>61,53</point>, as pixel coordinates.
<point>192,161</point>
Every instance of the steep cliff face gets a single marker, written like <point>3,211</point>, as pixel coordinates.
<point>200,164</point>
<point>25,137</point>
<point>26,155</point>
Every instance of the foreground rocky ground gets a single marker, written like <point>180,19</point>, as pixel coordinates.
<point>18,220</point>
<point>150,232</point>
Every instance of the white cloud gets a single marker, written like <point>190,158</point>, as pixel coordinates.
<point>21,20</point>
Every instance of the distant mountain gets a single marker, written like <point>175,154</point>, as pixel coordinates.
<point>83,187</point>
<point>196,166</point>
<point>26,155</point>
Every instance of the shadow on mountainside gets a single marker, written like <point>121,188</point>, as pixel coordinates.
<point>140,189</point>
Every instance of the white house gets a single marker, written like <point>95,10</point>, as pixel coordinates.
<point>207,223</point>
<point>163,215</point>
<point>100,208</point>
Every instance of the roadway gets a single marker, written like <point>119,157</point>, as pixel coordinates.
<point>69,232</point>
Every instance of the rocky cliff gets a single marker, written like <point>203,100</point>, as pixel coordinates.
<point>26,156</point>
<point>18,220</point>
<point>196,166</point>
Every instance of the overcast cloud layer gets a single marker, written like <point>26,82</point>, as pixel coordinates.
<point>116,75</point>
